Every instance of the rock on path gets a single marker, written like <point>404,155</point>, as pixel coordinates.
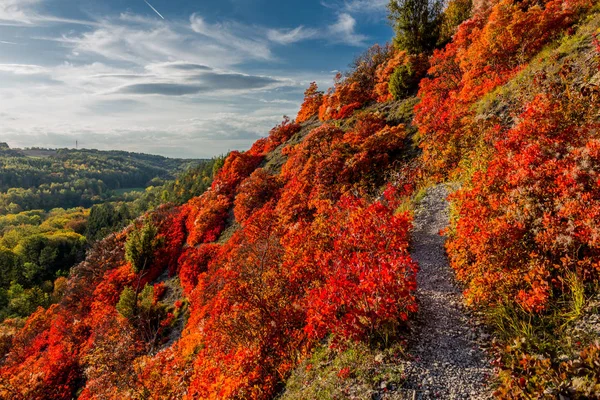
<point>446,359</point>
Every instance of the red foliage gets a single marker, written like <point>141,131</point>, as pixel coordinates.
<point>486,52</point>
<point>207,217</point>
<point>193,262</point>
<point>313,98</point>
<point>172,232</point>
<point>255,192</point>
<point>45,348</point>
<point>530,217</point>
<point>419,64</point>
<point>159,291</point>
<point>341,101</point>
<point>369,277</point>
<point>251,318</point>
<point>237,167</point>
<point>281,134</point>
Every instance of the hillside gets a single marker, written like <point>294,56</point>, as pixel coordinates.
<point>38,247</point>
<point>44,179</point>
<point>299,274</point>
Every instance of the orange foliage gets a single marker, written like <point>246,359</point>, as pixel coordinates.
<point>529,218</point>
<point>312,101</point>
<point>193,262</point>
<point>419,64</point>
<point>207,217</point>
<point>342,100</point>
<point>255,192</point>
<point>368,276</point>
<point>486,52</point>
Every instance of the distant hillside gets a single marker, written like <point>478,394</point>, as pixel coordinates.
<point>47,178</point>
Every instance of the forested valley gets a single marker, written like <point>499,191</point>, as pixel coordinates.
<point>55,204</point>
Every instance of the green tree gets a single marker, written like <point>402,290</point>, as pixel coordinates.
<point>140,246</point>
<point>127,305</point>
<point>417,24</point>
<point>24,302</point>
<point>3,300</point>
<point>456,12</point>
<point>7,267</point>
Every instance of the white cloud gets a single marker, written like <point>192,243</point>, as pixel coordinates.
<point>18,11</point>
<point>143,84</point>
<point>358,6</point>
<point>23,69</point>
<point>234,36</point>
<point>288,36</point>
<point>344,31</point>
<point>26,12</point>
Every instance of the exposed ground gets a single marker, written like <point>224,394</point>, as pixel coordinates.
<point>447,361</point>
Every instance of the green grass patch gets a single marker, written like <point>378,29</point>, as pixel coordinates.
<point>358,371</point>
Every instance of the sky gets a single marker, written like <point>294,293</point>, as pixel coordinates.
<point>180,78</point>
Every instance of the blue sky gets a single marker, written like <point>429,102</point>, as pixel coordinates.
<point>212,76</point>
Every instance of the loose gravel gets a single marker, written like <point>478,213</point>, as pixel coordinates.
<point>445,345</point>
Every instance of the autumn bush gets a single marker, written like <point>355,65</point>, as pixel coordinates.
<point>487,51</point>
<point>255,192</point>
<point>193,262</point>
<point>525,219</point>
<point>369,277</point>
<point>528,219</point>
<point>312,101</point>
<point>274,266</point>
<point>358,87</point>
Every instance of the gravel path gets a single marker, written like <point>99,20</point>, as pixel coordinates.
<point>447,361</point>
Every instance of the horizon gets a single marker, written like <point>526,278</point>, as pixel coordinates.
<point>107,150</point>
<point>190,80</point>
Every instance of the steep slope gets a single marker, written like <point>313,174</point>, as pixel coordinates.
<point>269,265</point>
<point>300,250</point>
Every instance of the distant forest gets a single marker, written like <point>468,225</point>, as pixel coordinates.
<point>45,179</point>
<point>54,204</point>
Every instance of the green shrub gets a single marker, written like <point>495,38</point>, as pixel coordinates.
<point>402,81</point>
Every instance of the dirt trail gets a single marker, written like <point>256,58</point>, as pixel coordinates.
<point>447,362</point>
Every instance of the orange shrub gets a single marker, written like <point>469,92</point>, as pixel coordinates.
<point>528,219</point>
<point>312,101</point>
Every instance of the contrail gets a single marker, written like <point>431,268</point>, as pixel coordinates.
<point>154,9</point>
<point>5,42</point>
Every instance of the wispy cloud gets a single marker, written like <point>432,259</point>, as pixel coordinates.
<point>233,35</point>
<point>183,87</point>
<point>288,36</point>
<point>357,6</point>
<point>149,42</point>
<point>18,11</point>
<point>26,12</point>
<point>23,69</point>
<point>344,31</point>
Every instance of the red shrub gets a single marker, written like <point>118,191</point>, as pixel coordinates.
<point>255,192</point>
<point>529,218</point>
<point>193,262</point>
<point>159,291</point>
<point>207,218</point>
<point>369,278</point>
<point>486,52</point>
<point>281,134</point>
<point>313,98</point>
